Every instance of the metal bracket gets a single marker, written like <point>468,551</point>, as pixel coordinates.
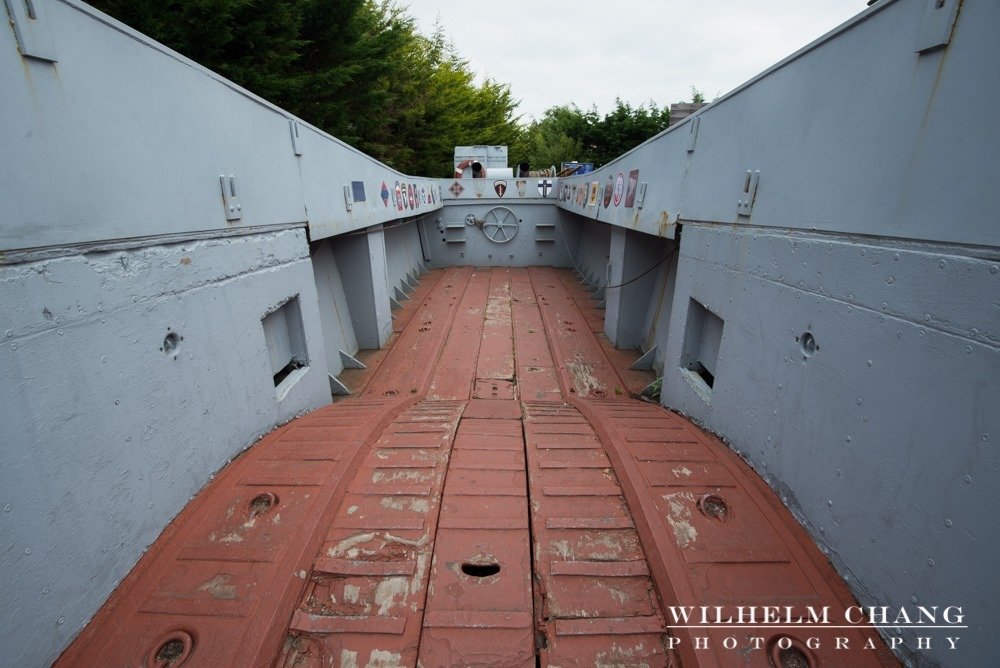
<point>640,196</point>
<point>693,133</point>
<point>337,388</point>
<point>645,363</point>
<point>348,197</point>
<point>34,40</point>
<point>293,127</point>
<point>937,24</point>
<point>744,205</point>
<point>350,362</point>
<point>234,210</point>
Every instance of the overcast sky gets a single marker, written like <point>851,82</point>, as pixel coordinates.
<point>590,52</point>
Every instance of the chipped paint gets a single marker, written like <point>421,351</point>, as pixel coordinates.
<point>384,659</point>
<point>220,588</point>
<point>343,546</point>
<point>583,377</point>
<point>679,517</point>
<point>348,659</point>
<point>388,590</point>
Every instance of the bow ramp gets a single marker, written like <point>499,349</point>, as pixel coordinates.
<point>492,495</point>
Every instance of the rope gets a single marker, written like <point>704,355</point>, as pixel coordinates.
<point>620,285</point>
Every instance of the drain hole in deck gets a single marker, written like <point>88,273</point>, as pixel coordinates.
<point>262,503</point>
<point>714,506</point>
<point>788,652</point>
<point>173,650</point>
<point>480,570</point>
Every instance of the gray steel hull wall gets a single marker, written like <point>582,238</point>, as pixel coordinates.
<point>883,440</point>
<point>106,436</point>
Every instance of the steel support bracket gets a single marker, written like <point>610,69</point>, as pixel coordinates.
<point>351,362</point>
<point>748,192</point>
<point>692,137</point>
<point>293,128</point>
<point>230,201</point>
<point>645,363</point>
<point>937,24</point>
<point>337,388</point>
<point>34,40</point>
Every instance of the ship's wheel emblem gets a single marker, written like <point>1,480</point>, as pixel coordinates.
<point>500,224</point>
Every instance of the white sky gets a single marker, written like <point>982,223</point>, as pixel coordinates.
<point>589,52</point>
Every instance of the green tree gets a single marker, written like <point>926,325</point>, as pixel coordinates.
<point>568,133</point>
<point>357,69</point>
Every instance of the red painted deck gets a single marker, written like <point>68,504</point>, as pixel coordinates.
<point>492,495</point>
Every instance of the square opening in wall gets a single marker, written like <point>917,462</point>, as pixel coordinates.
<point>286,344</point>
<point>700,355</point>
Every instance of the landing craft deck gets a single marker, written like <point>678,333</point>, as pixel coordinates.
<point>492,495</point>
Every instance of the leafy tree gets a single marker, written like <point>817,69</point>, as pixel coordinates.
<point>358,69</point>
<point>567,133</point>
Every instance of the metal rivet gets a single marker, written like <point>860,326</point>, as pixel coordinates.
<point>986,438</point>
<point>968,349</point>
<point>948,523</point>
<point>913,599</point>
<point>869,362</point>
<point>848,439</point>
<point>930,562</point>
<point>9,333</point>
<point>13,346</point>
<point>60,621</point>
<point>27,550</point>
<point>967,478</point>
<point>829,502</point>
<point>994,269</point>
<point>7,508</point>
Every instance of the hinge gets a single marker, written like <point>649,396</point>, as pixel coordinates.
<point>748,192</point>
<point>692,133</point>
<point>937,24</point>
<point>348,197</point>
<point>293,127</point>
<point>230,202</point>
<point>34,40</point>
